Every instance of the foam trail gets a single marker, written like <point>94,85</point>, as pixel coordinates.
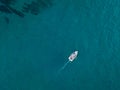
<point>63,67</point>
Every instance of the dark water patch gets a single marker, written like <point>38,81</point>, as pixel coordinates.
<point>5,9</point>
<point>8,2</point>
<point>35,7</point>
<point>9,10</point>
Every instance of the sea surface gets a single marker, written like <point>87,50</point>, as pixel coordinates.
<point>34,48</point>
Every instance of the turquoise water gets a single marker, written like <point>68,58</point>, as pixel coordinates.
<point>34,48</point>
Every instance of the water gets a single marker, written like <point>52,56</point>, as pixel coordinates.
<point>63,67</point>
<point>33,48</point>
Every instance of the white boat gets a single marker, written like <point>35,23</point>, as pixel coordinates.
<point>73,56</point>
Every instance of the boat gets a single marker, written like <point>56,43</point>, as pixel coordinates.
<point>73,56</point>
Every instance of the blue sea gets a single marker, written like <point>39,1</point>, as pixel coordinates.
<point>34,48</point>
